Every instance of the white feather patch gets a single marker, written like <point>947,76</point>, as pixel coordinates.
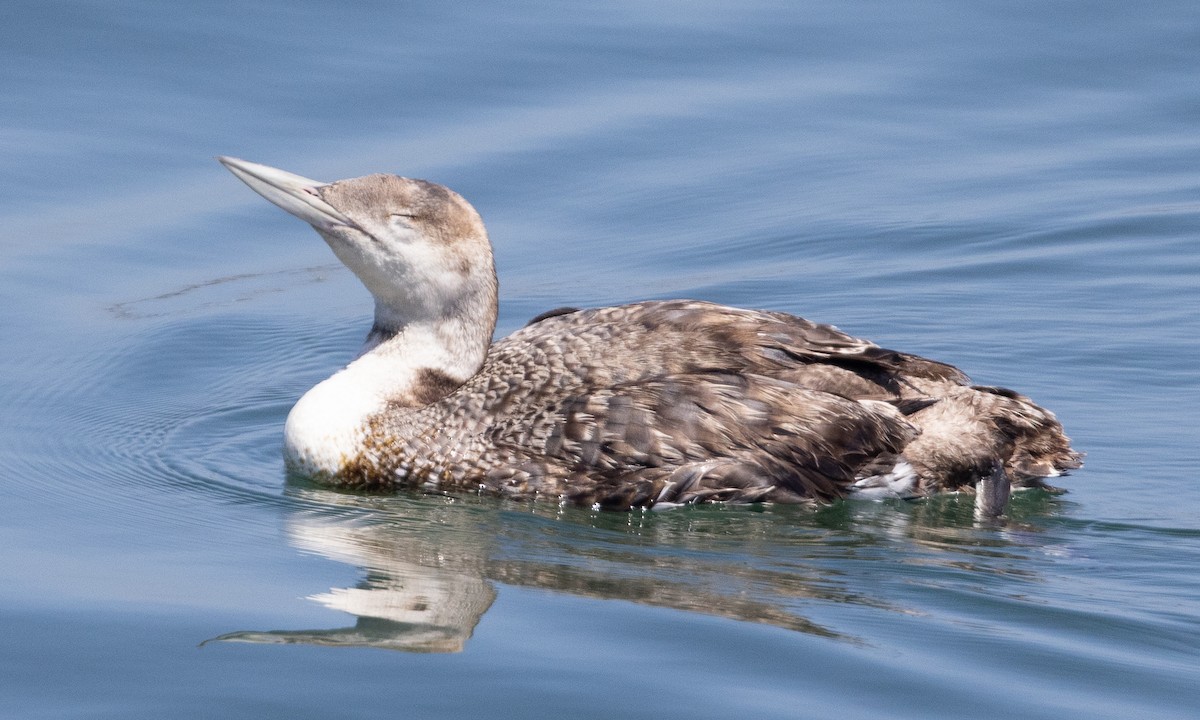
<point>897,483</point>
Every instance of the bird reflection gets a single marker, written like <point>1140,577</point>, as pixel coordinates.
<point>431,563</point>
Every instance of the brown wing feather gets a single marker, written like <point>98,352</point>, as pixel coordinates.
<point>705,436</point>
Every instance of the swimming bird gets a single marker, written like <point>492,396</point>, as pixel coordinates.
<point>649,404</point>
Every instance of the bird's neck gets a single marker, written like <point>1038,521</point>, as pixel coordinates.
<point>419,363</point>
<point>409,366</point>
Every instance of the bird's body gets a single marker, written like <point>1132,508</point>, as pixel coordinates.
<point>630,406</point>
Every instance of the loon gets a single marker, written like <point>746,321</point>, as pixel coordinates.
<point>657,403</point>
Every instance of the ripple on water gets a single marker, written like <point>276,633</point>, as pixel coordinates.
<point>183,395</point>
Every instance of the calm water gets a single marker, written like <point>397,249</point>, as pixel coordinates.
<point>1012,187</point>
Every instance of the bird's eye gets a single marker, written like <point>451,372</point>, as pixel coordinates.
<point>402,215</point>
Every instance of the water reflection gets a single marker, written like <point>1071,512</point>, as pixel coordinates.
<point>424,589</point>
<point>431,562</point>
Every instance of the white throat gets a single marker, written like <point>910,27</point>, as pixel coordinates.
<point>328,427</point>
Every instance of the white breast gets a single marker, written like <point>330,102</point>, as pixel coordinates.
<point>326,427</point>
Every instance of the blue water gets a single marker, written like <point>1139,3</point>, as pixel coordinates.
<point>1011,187</point>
